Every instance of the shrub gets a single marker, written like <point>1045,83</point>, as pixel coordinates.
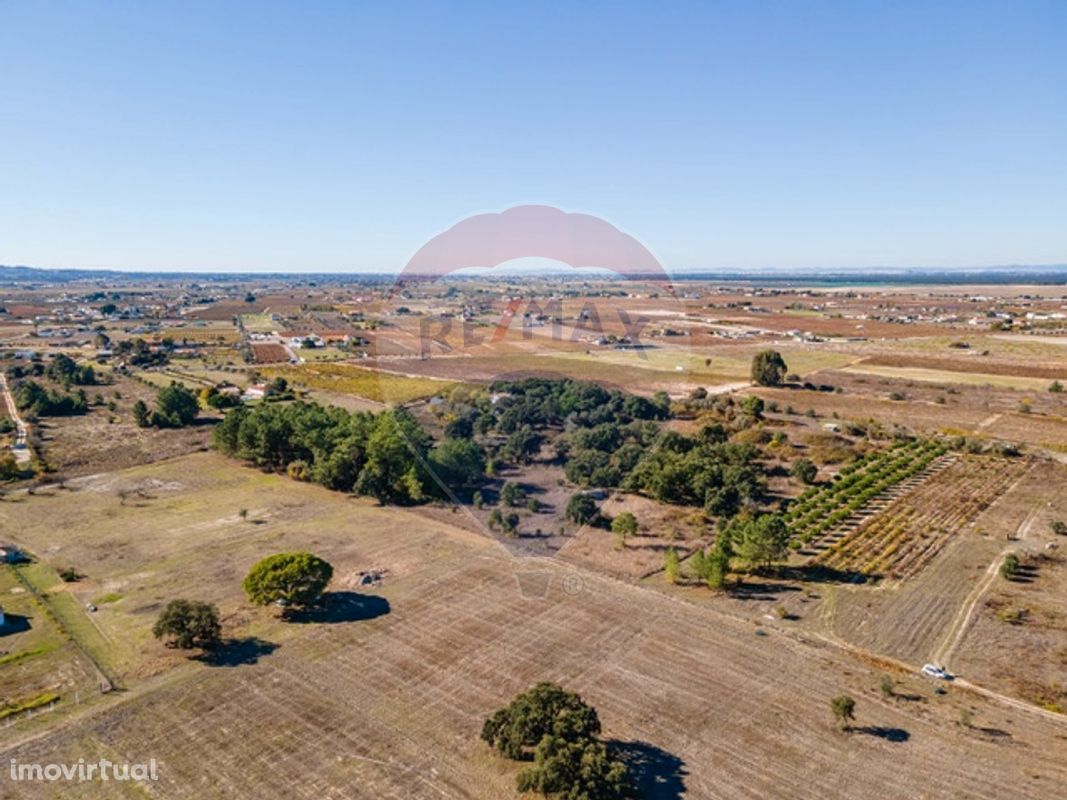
<point>844,710</point>
<point>624,525</point>
<point>512,494</point>
<point>671,567</point>
<point>1010,566</point>
<point>804,470</point>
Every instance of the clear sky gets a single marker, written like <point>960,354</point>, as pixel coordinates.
<point>322,136</point>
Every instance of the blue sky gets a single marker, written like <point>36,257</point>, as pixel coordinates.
<point>340,136</point>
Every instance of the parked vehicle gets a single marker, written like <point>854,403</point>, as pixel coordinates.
<point>936,671</point>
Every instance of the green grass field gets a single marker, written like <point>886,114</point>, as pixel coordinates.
<point>258,323</point>
<point>382,387</point>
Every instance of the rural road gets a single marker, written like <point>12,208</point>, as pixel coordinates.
<point>20,448</point>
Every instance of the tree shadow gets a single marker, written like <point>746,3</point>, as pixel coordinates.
<point>342,607</point>
<point>1024,573</point>
<point>757,590</point>
<point>537,534</point>
<point>657,774</point>
<point>236,652</point>
<point>820,573</point>
<point>14,623</point>
<point>895,735</point>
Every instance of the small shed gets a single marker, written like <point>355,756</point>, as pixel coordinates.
<point>11,553</point>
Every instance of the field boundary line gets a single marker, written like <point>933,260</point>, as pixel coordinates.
<point>107,684</point>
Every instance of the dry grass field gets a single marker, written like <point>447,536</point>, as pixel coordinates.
<point>386,698</point>
<point>108,438</point>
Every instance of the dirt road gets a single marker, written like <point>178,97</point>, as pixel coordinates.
<point>20,448</point>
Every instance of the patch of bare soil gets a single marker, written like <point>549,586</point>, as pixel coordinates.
<point>660,527</point>
<point>1018,638</point>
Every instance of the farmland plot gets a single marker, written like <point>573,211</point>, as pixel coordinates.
<point>269,353</point>
<point>824,515</point>
<point>901,539</point>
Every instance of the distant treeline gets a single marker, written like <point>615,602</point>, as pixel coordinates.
<point>387,456</point>
<point>603,438</point>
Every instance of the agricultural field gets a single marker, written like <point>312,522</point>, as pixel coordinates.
<point>258,323</point>
<point>383,387</point>
<point>203,333</point>
<point>821,515</point>
<point>1018,636</point>
<point>269,353</point>
<point>930,615</point>
<point>944,376</point>
<point>418,675</point>
<point>40,664</point>
<point>903,536</point>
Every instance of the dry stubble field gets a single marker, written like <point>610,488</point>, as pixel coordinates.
<point>389,706</point>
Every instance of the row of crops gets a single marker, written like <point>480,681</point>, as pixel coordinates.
<point>822,508</point>
<point>902,538</point>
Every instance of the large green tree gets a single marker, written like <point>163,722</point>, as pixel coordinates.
<point>558,731</point>
<point>581,770</point>
<point>176,407</point>
<point>188,623</point>
<point>545,710</point>
<point>768,368</point>
<point>290,579</point>
<point>762,540</point>
<point>458,463</point>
